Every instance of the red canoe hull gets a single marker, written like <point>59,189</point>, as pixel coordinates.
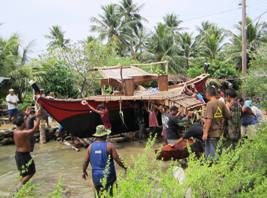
<point>81,122</point>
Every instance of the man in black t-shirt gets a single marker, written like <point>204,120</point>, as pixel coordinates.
<point>175,126</point>
<point>195,131</point>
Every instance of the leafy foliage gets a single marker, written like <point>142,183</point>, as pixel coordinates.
<point>60,79</point>
<point>20,80</point>
<point>9,54</point>
<point>57,38</point>
<point>237,173</point>
<point>27,190</point>
<point>58,191</point>
<point>217,69</point>
<point>255,84</point>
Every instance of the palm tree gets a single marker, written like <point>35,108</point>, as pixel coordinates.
<point>211,40</point>
<point>25,52</point>
<point>162,46</point>
<point>256,36</point>
<point>205,25</point>
<point>109,25</point>
<point>134,27</point>
<point>137,43</point>
<point>187,47</point>
<point>172,21</point>
<point>130,13</point>
<point>57,38</point>
<point>9,54</point>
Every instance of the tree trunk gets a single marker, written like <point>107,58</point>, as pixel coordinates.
<point>82,87</point>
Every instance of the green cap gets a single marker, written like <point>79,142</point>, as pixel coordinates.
<point>101,131</point>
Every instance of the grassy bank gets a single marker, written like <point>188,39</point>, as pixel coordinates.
<point>237,173</point>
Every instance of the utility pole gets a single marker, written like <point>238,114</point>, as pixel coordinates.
<point>244,38</point>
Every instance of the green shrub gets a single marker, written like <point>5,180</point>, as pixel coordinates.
<point>60,79</point>
<point>27,190</point>
<point>237,173</point>
<point>217,69</point>
<point>58,191</point>
<point>27,101</point>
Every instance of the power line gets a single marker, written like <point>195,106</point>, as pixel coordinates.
<point>214,14</point>
<point>221,13</point>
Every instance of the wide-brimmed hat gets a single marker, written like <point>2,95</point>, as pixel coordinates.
<point>101,131</point>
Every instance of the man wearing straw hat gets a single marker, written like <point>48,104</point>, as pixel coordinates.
<point>101,155</point>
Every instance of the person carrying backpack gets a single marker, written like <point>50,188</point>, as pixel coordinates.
<point>234,122</point>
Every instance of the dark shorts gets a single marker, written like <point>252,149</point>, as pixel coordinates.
<point>108,188</point>
<point>25,163</point>
<point>12,112</point>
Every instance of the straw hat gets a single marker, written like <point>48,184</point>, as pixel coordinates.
<point>101,131</point>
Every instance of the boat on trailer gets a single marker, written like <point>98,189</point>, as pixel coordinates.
<point>81,121</point>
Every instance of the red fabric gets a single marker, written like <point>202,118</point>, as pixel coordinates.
<point>200,85</point>
<point>153,121</point>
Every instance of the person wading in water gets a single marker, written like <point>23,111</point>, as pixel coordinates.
<point>100,155</point>
<point>24,161</point>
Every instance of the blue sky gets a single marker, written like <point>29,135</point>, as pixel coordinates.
<point>31,19</point>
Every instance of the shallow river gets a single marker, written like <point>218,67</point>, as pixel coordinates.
<point>53,161</point>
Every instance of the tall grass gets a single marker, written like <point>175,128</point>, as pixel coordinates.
<point>238,173</point>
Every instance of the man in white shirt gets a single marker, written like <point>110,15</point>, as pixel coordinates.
<point>12,104</point>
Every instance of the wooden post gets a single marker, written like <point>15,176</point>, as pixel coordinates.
<point>128,87</point>
<point>163,82</point>
<point>244,38</point>
<point>167,68</point>
<point>103,90</point>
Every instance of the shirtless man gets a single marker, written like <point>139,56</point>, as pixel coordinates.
<point>103,111</point>
<point>24,161</point>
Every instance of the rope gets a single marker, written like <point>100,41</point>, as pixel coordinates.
<point>122,115</point>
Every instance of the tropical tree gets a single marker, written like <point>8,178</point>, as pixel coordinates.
<point>121,24</point>
<point>60,79</point>
<point>205,25</point>
<point>211,40</point>
<point>188,48</point>
<point>25,53</point>
<point>133,27</point>
<point>109,24</point>
<point>162,47</point>
<point>20,80</point>
<point>9,54</point>
<point>256,36</point>
<point>173,22</point>
<point>130,13</point>
<point>255,83</point>
<point>57,38</point>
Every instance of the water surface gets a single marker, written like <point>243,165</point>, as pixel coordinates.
<point>53,161</point>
